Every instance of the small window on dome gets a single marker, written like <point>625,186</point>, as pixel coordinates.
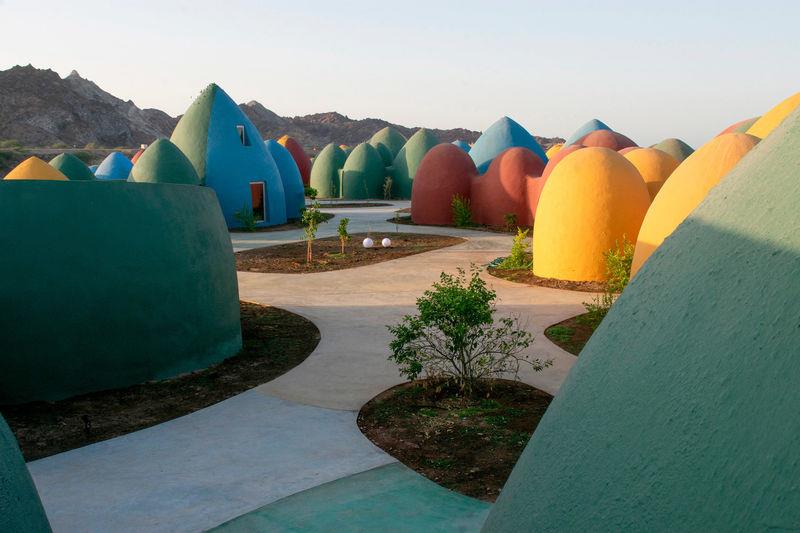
<point>242,135</point>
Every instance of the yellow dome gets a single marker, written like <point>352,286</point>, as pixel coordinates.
<point>592,199</point>
<point>553,150</point>
<point>686,188</point>
<point>34,168</point>
<point>772,119</point>
<point>654,165</point>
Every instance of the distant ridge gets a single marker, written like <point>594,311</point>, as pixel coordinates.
<point>38,108</point>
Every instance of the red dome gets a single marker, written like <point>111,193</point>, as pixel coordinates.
<point>300,157</point>
<point>606,139</point>
<point>444,172</point>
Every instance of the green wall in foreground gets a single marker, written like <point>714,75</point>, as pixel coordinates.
<point>681,413</point>
<point>20,507</point>
<point>108,284</point>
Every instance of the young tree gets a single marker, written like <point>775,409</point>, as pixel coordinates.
<point>311,218</point>
<point>343,235</point>
<point>455,337</point>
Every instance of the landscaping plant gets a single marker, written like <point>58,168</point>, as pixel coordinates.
<point>520,253</point>
<point>311,217</point>
<point>311,192</point>
<point>618,272</point>
<point>454,337</point>
<point>387,188</point>
<point>246,218</point>
<point>462,213</point>
<point>510,220</point>
<point>342,230</point>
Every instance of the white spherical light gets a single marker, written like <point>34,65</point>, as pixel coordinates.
<point>368,243</point>
<point>386,242</point>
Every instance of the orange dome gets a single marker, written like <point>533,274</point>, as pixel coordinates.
<point>654,165</point>
<point>686,188</point>
<point>34,168</point>
<point>772,119</point>
<point>593,200</point>
<point>553,150</point>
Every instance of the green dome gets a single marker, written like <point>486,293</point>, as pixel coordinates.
<point>390,138</point>
<point>20,507</point>
<point>676,148</point>
<point>681,412</point>
<point>385,154</point>
<point>363,174</point>
<point>325,172</point>
<point>163,162</point>
<point>408,160</point>
<point>72,167</point>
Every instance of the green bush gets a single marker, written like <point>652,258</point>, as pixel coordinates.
<point>342,231</point>
<point>520,253</point>
<point>10,143</point>
<point>618,271</point>
<point>311,192</point>
<point>454,336</point>
<point>246,218</point>
<point>462,213</point>
<point>511,221</point>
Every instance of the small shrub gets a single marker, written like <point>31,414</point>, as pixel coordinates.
<point>618,271</point>
<point>59,145</point>
<point>387,188</point>
<point>342,230</point>
<point>311,192</point>
<point>454,336</point>
<point>511,221</point>
<point>10,143</point>
<point>462,213</point>
<point>520,253</point>
<point>246,218</point>
<point>311,217</point>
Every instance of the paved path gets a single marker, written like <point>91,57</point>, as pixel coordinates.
<point>268,452</point>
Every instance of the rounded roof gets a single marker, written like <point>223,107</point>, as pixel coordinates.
<point>389,137</point>
<point>681,412</point>
<point>593,199</point>
<point>773,118</point>
<point>114,167</point>
<point>686,188</point>
<point>445,171</point>
<point>588,127</point>
<point>137,155</point>
<point>300,156</point>
<point>385,153</point>
<point>293,188</point>
<point>606,139</point>
<point>34,168</point>
<point>363,173</point>
<point>558,157</point>
<point>163,162</point>
<point>499,137</point>
<point>464,145</point>
<point>739,127</point>
<point>72,167</point>
<point>654,166</point>
<point>676,148</point>
<point>408,159</point>
<point>325,172</point>
<point>553,150</point>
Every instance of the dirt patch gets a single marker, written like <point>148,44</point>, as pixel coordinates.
<point>295,224</point>
<point>291,258</point>
<point>406,220</point>
<point>350,205</point>
<point>274,341</point>
<point>571,334</point>
<point>466,445</point>
<point>527,277</point>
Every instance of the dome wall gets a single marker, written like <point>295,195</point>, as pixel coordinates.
<point>325,176</point>
<point>299,155</point>
<point>445,171</point>
<point>392,139</point>
<point>606,139</point>
<point>72,167</point>
<point>115,167</point>
<point>163,162</point>
<point>654,166</point>
<point>583,131</point>
<point>773,118</point>
<point>293,189</point>
<point>408,160</point>
<point>676,148</point>
<point>34,168</point>
<point>499,137</point>
<point>363,174</point>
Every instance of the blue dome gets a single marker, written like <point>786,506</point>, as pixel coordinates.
<point>463,145</point>
<point>93,168</point>
<point>502,135</point>
<point>290,176</point>
<point>114,167</point>
<point>586,129</point>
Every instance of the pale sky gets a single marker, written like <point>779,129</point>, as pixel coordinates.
<point>649,70</point>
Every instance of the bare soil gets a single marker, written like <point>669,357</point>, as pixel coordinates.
<point>274,341</point>
<point>468,445</point>
<point>291,258</point>
<point>527,277</point>
<point>294,224</point>
<point>406,220</point>
<point>571,334</point>
<point>325,204</point>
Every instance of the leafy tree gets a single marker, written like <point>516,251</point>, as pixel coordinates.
<point>342,230</point>
<point>311,217</point>
<point>455,337</point>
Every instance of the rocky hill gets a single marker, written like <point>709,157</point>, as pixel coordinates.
<point>39,108</point>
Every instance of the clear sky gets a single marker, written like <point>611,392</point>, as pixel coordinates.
<point>648,69</point>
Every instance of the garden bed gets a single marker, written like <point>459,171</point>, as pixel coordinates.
<point>295,224</point>
<point>466,445</point>
<point>526,276</point>
<point>572,334</point>
<point>291,258</point>
<point>274,341</point>
<point>406,220</point>
<point>324,204</point>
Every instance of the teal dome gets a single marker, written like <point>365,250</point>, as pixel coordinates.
<point>363,174</point>
<point>72,167</point>
<point>325,172</point>
<point>163,162</point>
<point>407,162</point>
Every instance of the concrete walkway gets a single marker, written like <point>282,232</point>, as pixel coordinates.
<point>297,435</point>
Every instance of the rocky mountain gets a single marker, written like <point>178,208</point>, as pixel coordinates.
<point>38,108</point>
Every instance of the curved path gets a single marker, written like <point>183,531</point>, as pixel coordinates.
<point>288,455</point>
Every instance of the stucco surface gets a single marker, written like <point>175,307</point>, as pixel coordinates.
<point>299,155</point>
<point>445,172</point>
<point>681,412</point>
<point>505,133</point>
<point>34,168</point>
<point>163,162</point>
<point>390,138</point>
<point>363,174</point>
<point>72,167</point>
<point>114,167</point>
<point>773,118</point>
<point>590,126</point>
<point>325,172</point>
<point>408,160</point>
<point>120,283</point>
<point>292,181</point>
<point>654,166</point>
<point>675,147</point>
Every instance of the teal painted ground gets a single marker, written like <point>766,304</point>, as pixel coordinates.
<point>388,498</point>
